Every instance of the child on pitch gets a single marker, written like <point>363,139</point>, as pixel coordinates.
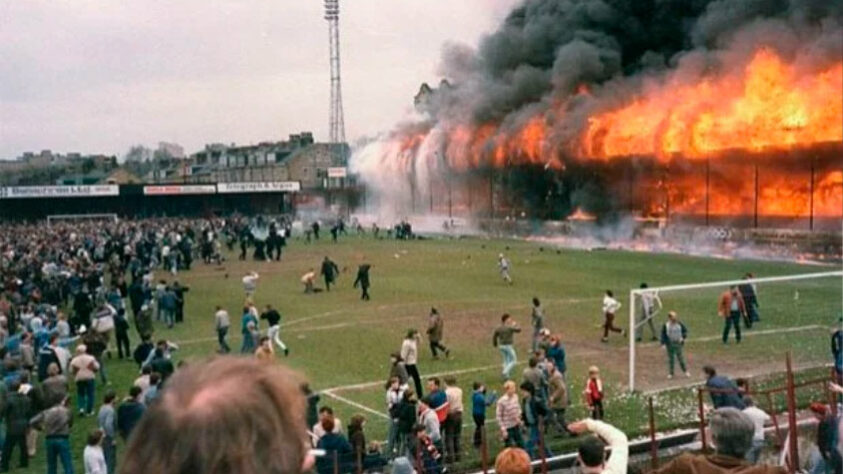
<point>594,393</point>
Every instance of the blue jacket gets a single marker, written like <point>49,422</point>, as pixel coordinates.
<point>729,397</point>
<point>334,443</point>
<point>557,354</point>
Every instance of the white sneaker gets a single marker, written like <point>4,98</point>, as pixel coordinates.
<point>669,376</point>
<point>688,374</point>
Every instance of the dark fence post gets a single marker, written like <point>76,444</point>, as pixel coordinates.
<point>541,446</point>
<point>484,451</point>
<point>772,411</point>
<point>791,417</point>
<point>702,418</point>
<point>336,462</point>
<point>654,445</point>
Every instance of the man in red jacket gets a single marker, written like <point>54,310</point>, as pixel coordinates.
<point>731,307</point>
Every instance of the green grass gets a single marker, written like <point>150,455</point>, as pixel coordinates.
<point>335,339</point>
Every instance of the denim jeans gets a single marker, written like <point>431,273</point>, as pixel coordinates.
<point>534,442</point>
<point>58,448</point>
<point>734,319</point>
<point>514,438</point>
<point>169,317</point>
<point>509,359</point>
<point>85,393</point>
<point>392,442</point>
<point>109,449</point>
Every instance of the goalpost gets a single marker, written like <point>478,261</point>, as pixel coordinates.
<point>822,294</point>
<point>102,216</point>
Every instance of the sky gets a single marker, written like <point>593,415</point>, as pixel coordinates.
<point>97,77</point>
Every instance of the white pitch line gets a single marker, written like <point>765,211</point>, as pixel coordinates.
<point>747,333</point>
<point>354,404</point>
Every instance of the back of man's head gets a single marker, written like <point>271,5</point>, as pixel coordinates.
<point>592,452</point>
<point>513,461</point>
<point>731,432</point>
<point>212,414</point>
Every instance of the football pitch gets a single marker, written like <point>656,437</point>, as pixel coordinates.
<point>342,344</point>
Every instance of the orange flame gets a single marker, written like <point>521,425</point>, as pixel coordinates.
<point>769,106</point>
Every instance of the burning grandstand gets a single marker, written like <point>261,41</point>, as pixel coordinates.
<point>725,112</point>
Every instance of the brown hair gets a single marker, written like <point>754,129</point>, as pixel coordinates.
<point>226,415</point>
<point>513,461</point>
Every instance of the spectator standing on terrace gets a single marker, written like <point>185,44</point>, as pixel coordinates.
<point>222,322</point>
<point>273,319</point>
<point>534,412</point>
<point>537,320</point>
<point>409,354</point>
<point>394,395</point>
<point>407,415</point>
<point>319,430</point>
<point>435,330</point>
<point>837,348</point>
<point>556,353</point>
<point>453,422</point>
<point>195,428</point>
<point>264,352</point>
<point>479,402</point>
<point>731,307</point>
<point>829,459</point>
<point>759,418</point>
<point>610,307</point>
<point>437,399</point>
<point>363,281</point>
<point>508,416</point>
<point>724,392</point>
<point>591,454</point>
<point>650,304</point>
<point>731,433</point>
<point>503,266</point>
<point>749,293</point>
<point>430,462</point>
<point>429,419</point>
<point>558,399</point>
<point>673,336</point>
<point>329,272</point>
<point>121,331</point>
<point>502,339</point>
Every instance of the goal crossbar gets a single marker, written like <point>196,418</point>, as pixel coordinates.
<point>714,284</point>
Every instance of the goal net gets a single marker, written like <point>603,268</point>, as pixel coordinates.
<point>775,315</point>
<point>54,218</point>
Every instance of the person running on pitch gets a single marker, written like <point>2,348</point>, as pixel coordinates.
<point>610,307</point>
<point>435,330</point>
<point>502,339</point>
<point>503,265</point>
<point>273,319</point>
<point>650,305</point>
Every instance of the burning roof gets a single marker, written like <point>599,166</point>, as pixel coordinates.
<point>566,83</point>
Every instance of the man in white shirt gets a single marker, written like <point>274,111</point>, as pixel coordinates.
<point>222,322</point>
<point>650,305</point>
<point>759,418</point>
<point>250,283</point>
<point>610,307</point>
<point>592,449</point>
